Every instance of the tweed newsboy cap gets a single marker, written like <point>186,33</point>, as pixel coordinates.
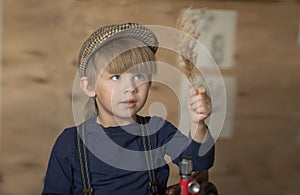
<point>107,33</point>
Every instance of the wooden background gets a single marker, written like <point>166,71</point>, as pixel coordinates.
<point>41,41</point>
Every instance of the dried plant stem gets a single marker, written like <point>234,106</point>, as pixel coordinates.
<point>188,46</point>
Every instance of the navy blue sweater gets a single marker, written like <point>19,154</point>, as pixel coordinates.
<point>116,158</point>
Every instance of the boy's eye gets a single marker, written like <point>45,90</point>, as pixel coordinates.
<point>115,77</point>
<point>139,77</point>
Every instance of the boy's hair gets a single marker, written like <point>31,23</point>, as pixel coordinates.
<point>119,56</point>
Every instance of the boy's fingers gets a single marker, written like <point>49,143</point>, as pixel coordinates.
<point>201,90</point>
<point>199,101</point>
<point>201,98</point>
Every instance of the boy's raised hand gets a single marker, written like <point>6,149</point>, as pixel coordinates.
<point>199,105</point>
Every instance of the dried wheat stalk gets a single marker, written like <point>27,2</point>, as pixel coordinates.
<point>188,46</point>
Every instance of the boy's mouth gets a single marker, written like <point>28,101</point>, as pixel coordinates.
<point>129,103</point>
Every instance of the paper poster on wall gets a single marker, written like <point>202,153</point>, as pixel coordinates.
<point>0,77</point>
<point>216,30</point>
<point>230,88</point>
<point>299,32</point>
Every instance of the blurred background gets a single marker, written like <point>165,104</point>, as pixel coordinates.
<point>40,45</point>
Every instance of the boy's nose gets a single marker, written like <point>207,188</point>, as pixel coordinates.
<point>130,86</point>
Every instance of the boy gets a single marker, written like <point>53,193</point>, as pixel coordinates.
<point>122,151</point>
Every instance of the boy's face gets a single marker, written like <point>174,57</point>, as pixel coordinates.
<point>121,96</point>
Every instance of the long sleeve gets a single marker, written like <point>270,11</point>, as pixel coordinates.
<point>58,178</point>
<point>200,161</point>
<point>177,145</point>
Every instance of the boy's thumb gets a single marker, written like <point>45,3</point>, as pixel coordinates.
<point>201,90</point>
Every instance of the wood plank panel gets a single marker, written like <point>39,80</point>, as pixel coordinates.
<point>41,40</point>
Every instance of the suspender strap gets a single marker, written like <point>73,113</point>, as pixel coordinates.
<point>149,158</point>
<point>83,161</point>
<point>85,176</point>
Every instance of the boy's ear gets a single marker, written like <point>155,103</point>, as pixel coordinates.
<point>84,84</point>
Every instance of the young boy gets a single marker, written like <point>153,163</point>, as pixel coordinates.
<point>118,151</point>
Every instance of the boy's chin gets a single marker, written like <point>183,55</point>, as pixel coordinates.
<point>129,117</point>
<point>126,114</point>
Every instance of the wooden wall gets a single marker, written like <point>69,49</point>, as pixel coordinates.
<point>41,41</point>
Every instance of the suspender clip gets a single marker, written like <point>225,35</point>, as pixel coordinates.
<point>87,190</point>
<point>152,183</point>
